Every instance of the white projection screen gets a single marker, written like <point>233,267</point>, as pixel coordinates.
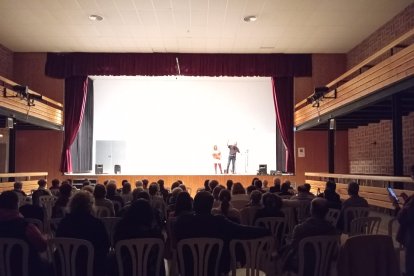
<point>169,125</point>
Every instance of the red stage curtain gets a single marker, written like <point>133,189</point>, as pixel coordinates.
<point>141,64</point>
<point>76,89</point>
<point>283,99</point>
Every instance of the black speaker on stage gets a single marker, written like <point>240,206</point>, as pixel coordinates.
<point>262,169</point>
<point>98,169</point>
<point>117,169</point>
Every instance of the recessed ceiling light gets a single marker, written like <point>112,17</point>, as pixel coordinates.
<point>250,18</point>
<point>95,17</point>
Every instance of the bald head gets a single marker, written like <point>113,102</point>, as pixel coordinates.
<point>319,207</point>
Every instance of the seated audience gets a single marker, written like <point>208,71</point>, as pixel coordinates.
<point>286,190</point>
<point>99,193</point>
<point>354,200</point>
<point>308,188</point>
<point>54,189</point>
<point>126,192</point>
<point>212,184</point>
<point>81,224</point>
<point>13,225</point>
<point>229,184</point>
<point>112,195</point>
<point>17,188</point>
<point>313,226</point>
<point>145,183</point>
<point>204,224</point>
<point>206,186</point>
<point>276,186</point>
<point>303,194</point>
<point>250,189</point>
<point>59,209</point>
<point>272,205</point>
<point>164,192</point>
<point>225,208</point>
<point>156,201</point>
<point>238,192</point>
<point>215,194</point>
<point>248,213</point>
<point>330,194</point>
<point>259,185</point>
<point>173,199</point>
<point>41,191</point>
<point>139,185</point>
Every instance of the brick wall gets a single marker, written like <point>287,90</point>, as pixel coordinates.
<point>371,150</point>
<point>6,62</point>
<point>391,30</point>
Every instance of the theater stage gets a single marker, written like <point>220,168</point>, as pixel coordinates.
<point>193,182</point>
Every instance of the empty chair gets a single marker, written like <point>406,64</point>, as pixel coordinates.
<point>365,255</point>
<point>101,211</point>
<point>199,256</point>
<point>316,255</point>
<point>333,216</point>
<point>140,257</point>
<point>277,226</point>
<point>351,213</point>
<point>14,257</point>
<point>110,223</point>
<point>72,257</point>
<point>256,253</point>
<point>365,225</point>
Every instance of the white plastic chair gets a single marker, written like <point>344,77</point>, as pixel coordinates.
<point>139,252</point>
<point>110,224</point>
<point>333,216</point>
<point>7,247</point>
<point>290,218</point>
<point>102,211</point>
<point>257,254</point>
<point>202,250</point>
<point>351,213</point>
<point>302,210</point>
<point>277,226</point>
<point>324,249</point>
<point>66,250</point>
<point>365,226</point>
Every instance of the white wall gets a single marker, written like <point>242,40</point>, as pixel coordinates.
<point>170,124</point>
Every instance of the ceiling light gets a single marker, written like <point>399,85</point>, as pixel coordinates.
<point>250,18</point>
<point>95,17</point>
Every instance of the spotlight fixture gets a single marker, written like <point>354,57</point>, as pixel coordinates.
<point>95,17</point>
<point>250,18</point>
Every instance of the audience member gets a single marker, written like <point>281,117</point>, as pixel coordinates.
<point>59,209</point>
<point>286,190</point>
<point>54,189</point>
<point>333,198</point>
<point>215,194</point>
<point>164,192</point>
<point>17,188</point>
<point>206,186</point>
<point>354,199</point>
<point>212,184</point>
<point>99,193</point>
<point>313,226</point>
<point>259,185</point>
<point>248,213</point>
<point>81,224</point>
<point>308,188</point>
<point>238,192</point>
<point>250,189</point>
<point>229,184</point>
<point>112,195</point>
<point>41,191</point>
<point>272,205</point>
<point>204,224</point>
<point>13,225</point>
<point>139,185</point>
<point>156,201</point>
<point>126,193</point>
<point>303,194</point>
<point>276,186</point>
<point>145,183</point>
<point>225,208</point>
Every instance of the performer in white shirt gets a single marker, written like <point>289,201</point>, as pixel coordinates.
<point>217,159</point>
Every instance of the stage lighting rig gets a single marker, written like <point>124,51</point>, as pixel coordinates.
<point>319,94</point>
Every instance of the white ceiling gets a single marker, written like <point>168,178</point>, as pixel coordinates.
<point>190,26</point>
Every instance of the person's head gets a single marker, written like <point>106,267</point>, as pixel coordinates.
<point>203,202</point>
<point>353,188</point>
<point>272,201</point>
<point>206,185</point>
<point>238,189</point>
<point>153,189</point>
<point>330,185</point>
<point>176,184</point>
<point>111,189</point>
<point>55,183</point>
<point>265,183</point>
<point>258,184</point>
<point>65,190</point>
<point>41,183</point>
<point>88,189</point>
<point>138,184</point>
<point>216,191</point>
<point>18,185</point>
<point>145,183</point>
<point>86,182</point>
<point>161,184</point>
<point>123,182</point>
<point>302,189</point>
<point>229,184</point>
<point>224,197</point>
<point>99,192</point>
<point>139,213</point>
<point>183,187</point>
<point>250,189</point>
<point>307,187</point>
<point>213,183</point>
<point>184,203</point>
<point>9,200</point>
<point>176,191</point>
<point>276,181</point>
<point>255,197</point>
<point>319,207</point>
<point>254,180</point>
<point>126,188</point>
<point>285,187</point>
<point>139,193</point>
<point>81,203</point>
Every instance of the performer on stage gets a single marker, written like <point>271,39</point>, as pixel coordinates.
<point>217,159</point>
<point>232,156</point>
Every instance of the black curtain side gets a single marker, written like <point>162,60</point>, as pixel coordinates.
<point>81,149</point>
